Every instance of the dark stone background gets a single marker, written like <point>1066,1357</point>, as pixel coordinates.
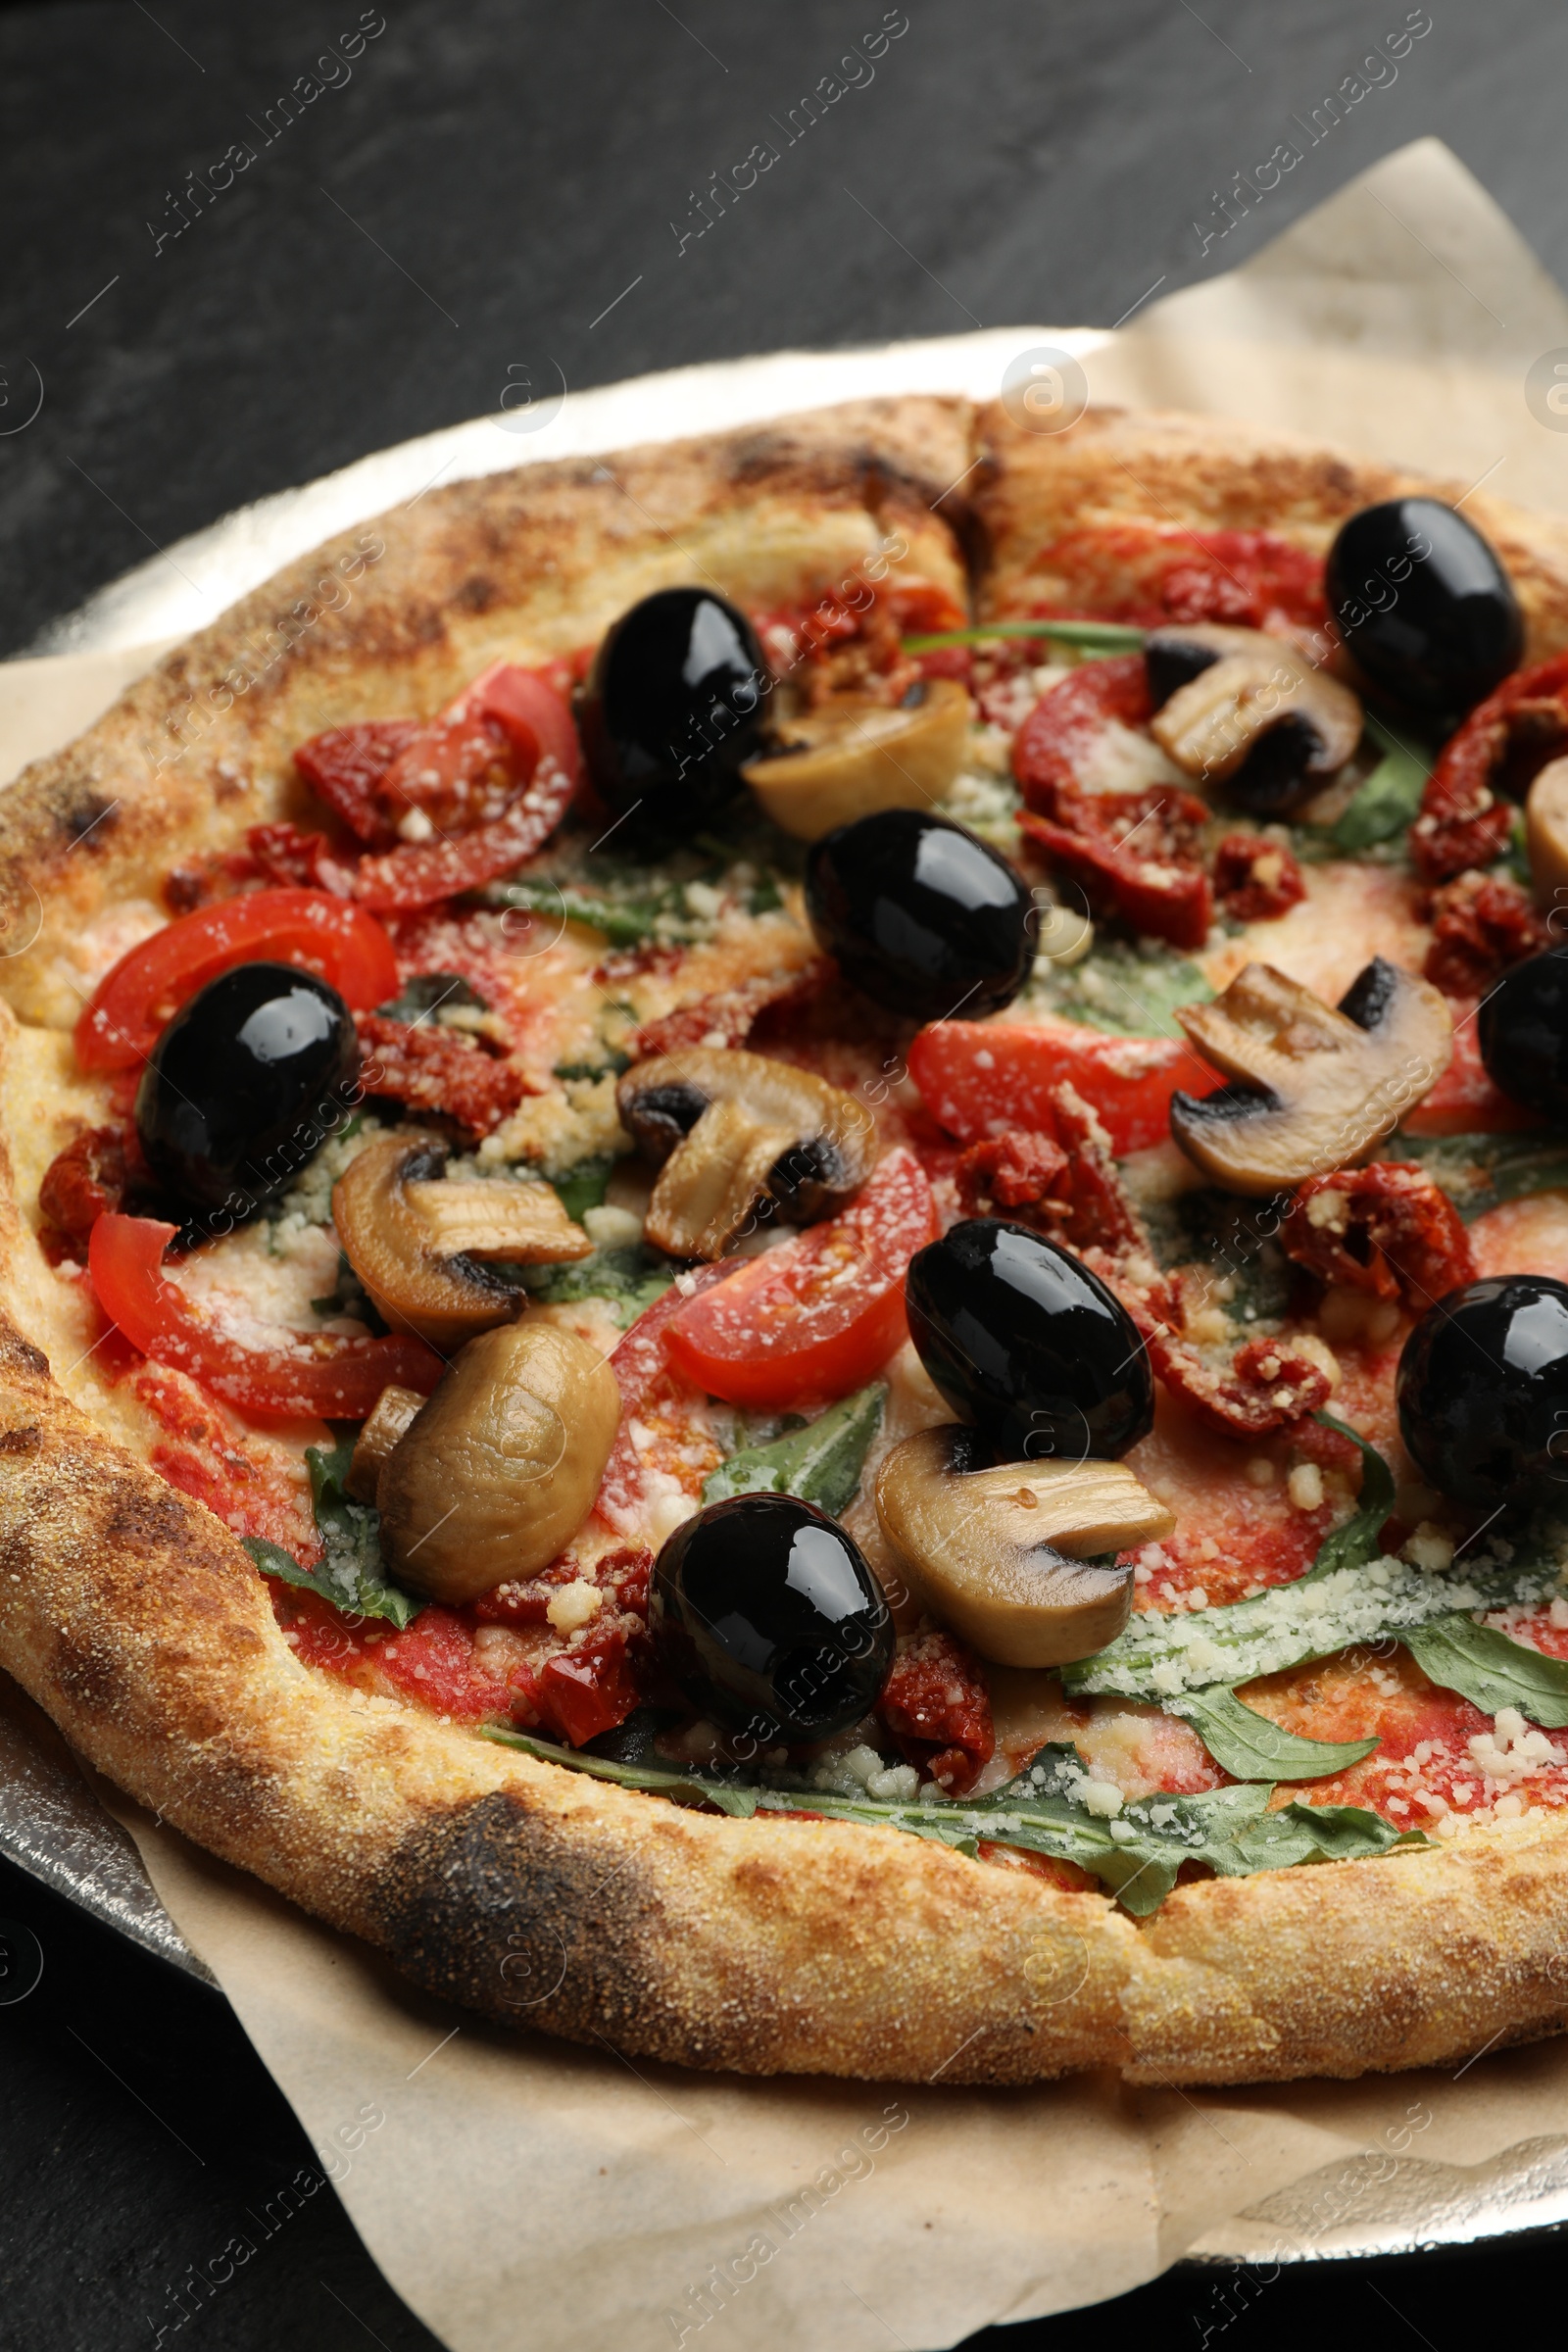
<point>509,168</point>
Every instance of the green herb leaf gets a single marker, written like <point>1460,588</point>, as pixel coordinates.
<point>1356,1542</point>
<point>629,1279</point>
<point>624,922</point>
<point>1106,636</point>
<point>685,1787</point>
<point>1389,799</point>
<point>584,1185</point>
<point>1117,988</point>
<point>1303,1833</point>
<point>1491,1670</point>
<point>351,1576</point>
<point>431,992</point>
<point>1249,1748</point>
<point>820,1463</point>
<point>1478,1171</point>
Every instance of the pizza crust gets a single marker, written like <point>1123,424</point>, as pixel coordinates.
<point>534,1894</point>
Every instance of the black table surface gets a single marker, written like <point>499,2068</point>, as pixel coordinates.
<point>475,194</point>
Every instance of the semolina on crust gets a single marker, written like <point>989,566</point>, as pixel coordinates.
<point>532,1893</point>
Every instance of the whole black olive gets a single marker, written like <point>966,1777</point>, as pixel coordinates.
<point>245,1084</point>
<point>674,704</point>
<point>1026,1343</point>
<point>1424,604</point>
<point>1484,1391</point>
<point>1523,1028</point>
<point>922,916</point>
<point>765,1614</point>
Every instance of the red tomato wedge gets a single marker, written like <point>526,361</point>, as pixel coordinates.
<point>134,1003</point>
<point>327,1374</point>
<point>819,1316</point>
<point>979,1078</point>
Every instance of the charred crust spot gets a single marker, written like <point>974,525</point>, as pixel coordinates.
<point>515,1917</point>
<point>476,595</point>
<point>21,1440</point>
<point>90,1677</point>
<point>24,1356</point>
<point>88,812</point>
<point>145,1520</point>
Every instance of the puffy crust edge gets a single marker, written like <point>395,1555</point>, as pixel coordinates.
<point>533,1895</point>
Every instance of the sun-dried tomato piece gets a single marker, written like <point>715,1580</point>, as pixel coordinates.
<point>1388,1229</point>
<point>286,856</point>
<point>438,1071</point>
<point>1255,879</point>
<point>1134,856</point>
<point>936,1704</point>
<point>1056,742</point>
<point>1147,574</point>
<point>592,1684</point>
<point>1465,817</point>
<point>87,1179</point>
<point>1480,924</point>
<point>728,1016</point>
<point>1269,1385</point>
<point>621,1574</point>
<point>1012,1176</point>
<point>348,768</point>
<point>1099,1211</point>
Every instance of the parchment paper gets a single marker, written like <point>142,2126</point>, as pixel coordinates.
<point>521,2193</point>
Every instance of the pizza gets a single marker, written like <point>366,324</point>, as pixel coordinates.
<point>786,1249</point>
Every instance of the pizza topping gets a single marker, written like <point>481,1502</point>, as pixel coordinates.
<point>819,1316</point>
<point>1523,1028</point>
<point>764,1612</point>
<point>437,1071</point>
<point>1480,924</point>
<point>922,916</point>
<point>729,1130</point>
<point>1260,719</point>
<point>852,755</point>
<point>936,1704</point>
<point>1494,758</point>
<point>1547,834</point>
<point>1423,604</point>
<point>1320,1084</point>
<point>1016,1173</point>
<point>1255,879</point>
<point>245,1084</point>
<point>1056,747</point>
<point>273,1374</point>
<point>1481,1381</point>
<point>395,1409</point>
<point>306,929</point>
<point>673,708</point>
<point>499,1470</point>
<point>1389,1230</point>
<point>728,1016</point>
<point>423,1248</point>
<point>1028,1344</point>
<point>1134,855</point>
<point>82,1182</point>
<point>1153,572</point>
<point>1004,1556</point>
<point>979,1079</point>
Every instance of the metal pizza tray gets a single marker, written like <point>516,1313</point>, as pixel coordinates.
<point>51,1823</point>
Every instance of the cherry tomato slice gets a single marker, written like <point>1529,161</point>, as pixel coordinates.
<point>134,1003</point>
<point>327,1374</point>
<point>979,1078</point>
<point>819,1316</point>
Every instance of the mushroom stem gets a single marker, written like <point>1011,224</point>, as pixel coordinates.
<point>395,1409</point>
<point>712,1181</point>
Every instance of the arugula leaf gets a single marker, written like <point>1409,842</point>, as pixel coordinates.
<point>624,922</point>
<point>1390,799</point>
<point>1478,1171</point>
<point>351,1576</point>
<point>1303,1833</point>
<point>431,992</point>
<point>1491,1670</point>
<point>685,1787</point>
<point>628,1278</point>
<point>1092,636</point>
<point>1356,1542</point>
<point>584,1185</point>
<point>1249,1748</point>
<point>1120,990</point>
<point>820,1463</point>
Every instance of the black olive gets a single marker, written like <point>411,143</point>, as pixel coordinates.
<point>1484,1391</point>
<point>245,1084</point>
<point>921,915</point>
<point>1424,604</point>
<point>1025,1341</point>
<point>766,1615</point>
<point>674,704</point>
<point>1523,1028</point>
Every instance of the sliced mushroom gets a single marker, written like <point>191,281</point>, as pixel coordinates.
<point>395,1409</point>
<point>733,1129</point>
<point>499,1468</point>
<point>1321,1085</point>
<point>1547,831</point>
<point>852,755</point>
<point>1250,712</point>
<point>419,1246</point>
<point>1002,1555</point>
